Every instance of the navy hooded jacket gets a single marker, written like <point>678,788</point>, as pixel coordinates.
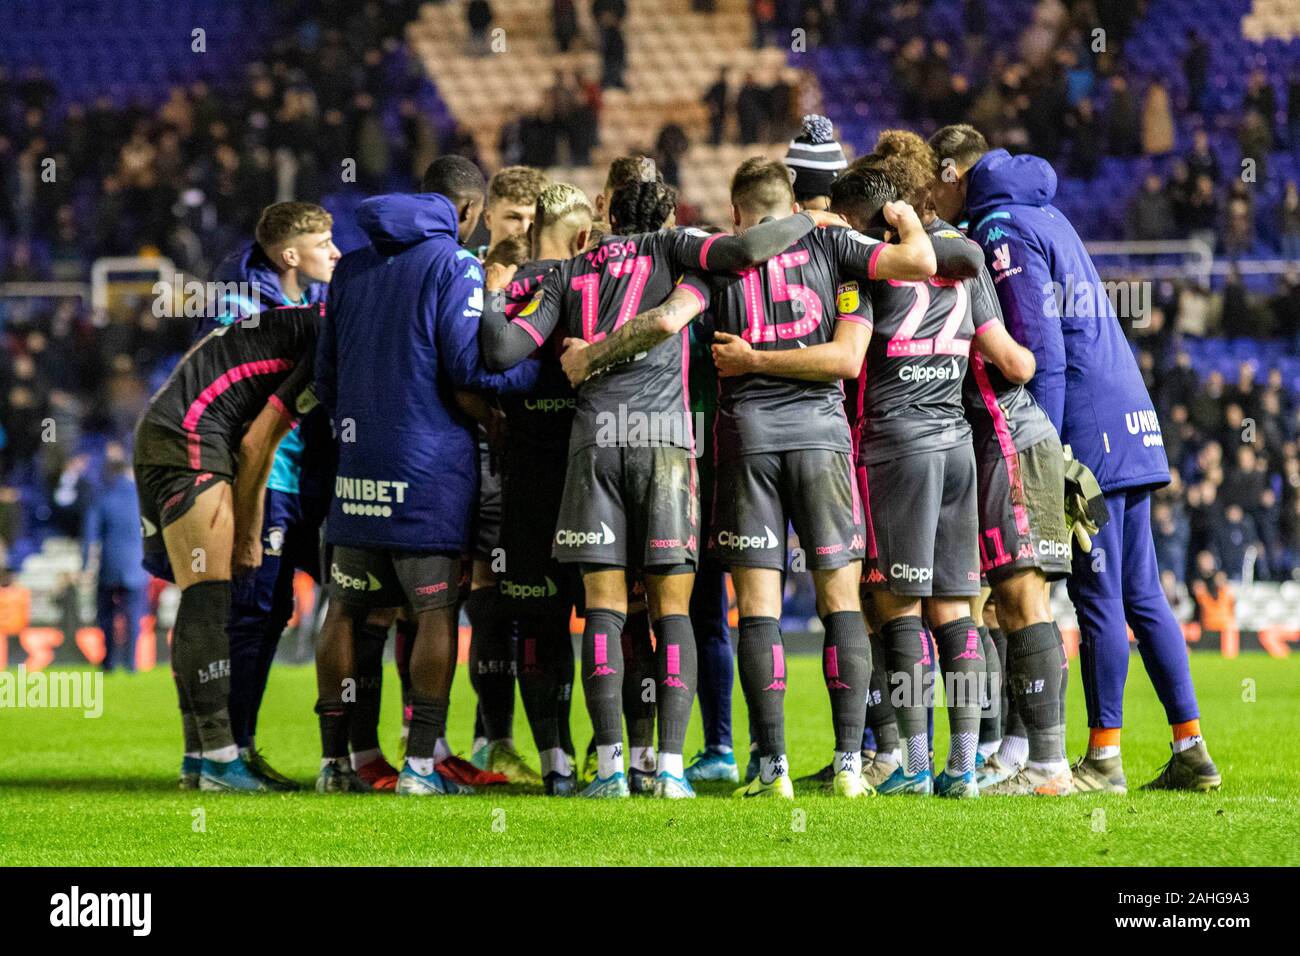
<point>1055,305</point>
<point>113,520</point>
<point>399,338</point>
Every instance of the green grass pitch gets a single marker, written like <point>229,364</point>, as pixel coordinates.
<point>77,791</point>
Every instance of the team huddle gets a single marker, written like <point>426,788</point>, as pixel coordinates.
<point>604,413</point>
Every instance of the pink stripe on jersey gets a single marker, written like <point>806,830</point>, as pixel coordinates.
<point>275,402</point>
<point>952,346</point>
<point>686,387</point>
<point>532,332</point>
<point>857,499</point>
<point>778,662</point>
<point>215,390</point>
<point>674,662</point>
<point>600,650</point>
<point>1003,430</point>
<point>699,296</point>
<point>866,511</point>
<point>980,330</point>
<point>871,263</point>
<point>704,249</point>
<point>855,319</point>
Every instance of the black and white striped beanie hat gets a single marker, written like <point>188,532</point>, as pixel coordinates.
<point>814,158</point>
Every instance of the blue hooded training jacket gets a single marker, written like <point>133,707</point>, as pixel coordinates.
<point>399,338</point>
<point>1055,305</point>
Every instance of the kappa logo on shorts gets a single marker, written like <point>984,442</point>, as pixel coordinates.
<point>173,501</point>
<point>744,542</point>
<point>875,577</point>
<point>905,572</point>
<point>830,549</point>
<point>371,583</point>
<point>857,543</point>
<point>433,588</point>
<point>206,476</point>
<point>1026,552</point>
<point>657,544</point>
<point>577,539</point>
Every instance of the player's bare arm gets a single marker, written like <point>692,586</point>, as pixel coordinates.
<point>256,453</point>
<point>1013,360</point>
<point>582,360</point>
<point>837,359</point>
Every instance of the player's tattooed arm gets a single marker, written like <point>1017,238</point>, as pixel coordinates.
<point>839,358</point>
<point>640,334</point>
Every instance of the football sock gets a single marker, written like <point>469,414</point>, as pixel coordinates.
<point>491,662</point>
<point>609,760</point>
<point>990,695</point>
<point>368,668</point>
<point>880,709</point>
<point>428,723</point>
<point>1186,735</point>
<point>770,768</point>
<point>639,687</point>
<point>1065,670</point>
<point>189,726</point>
<point>641,758</point>
<point>538,664</point>
<point>441,750</point>
<point>333,715</point>
<point>846,669</point>
<point>907,649</point>
<point>678,669</point>
<point>671,764</point>
<point>362,757</point>
<point>762,678</point>
<point>602,675</point>
<point>961,654</point>
<point>1014,751</point>
<point>850,760</point>
<point>201,661</point>
<point>1034,671</point>
<point>556,760</point>
<point>1103,743</point>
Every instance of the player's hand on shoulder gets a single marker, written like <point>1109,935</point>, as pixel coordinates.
<point>497,276</point>
<point>900,214</point>
<point>574,361</point>
<point>823,217</point>
<point>732,355</point>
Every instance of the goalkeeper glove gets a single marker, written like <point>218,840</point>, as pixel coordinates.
<point>1085,505</point>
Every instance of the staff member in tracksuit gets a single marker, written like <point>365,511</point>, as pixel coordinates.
<point>121,586</point>
<point>289,263</point>
<point>1089,385</point>
<point>398,346</point>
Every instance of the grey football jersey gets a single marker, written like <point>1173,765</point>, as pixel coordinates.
<point>791,301</point>
<point>1003,416</point>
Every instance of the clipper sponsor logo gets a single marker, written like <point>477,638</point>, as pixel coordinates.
<point>746,542</point>
<point>1145,423</point>
<point>214,671</point>
<point>548,405</point>
<point>577,539</point>
<point>1054,549</point>
<point>528,592</point>
<point>369,496</point>
<point>344,580</point>
<point>76,909</point>
<point>930,373</point>
<point>905,572</point>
